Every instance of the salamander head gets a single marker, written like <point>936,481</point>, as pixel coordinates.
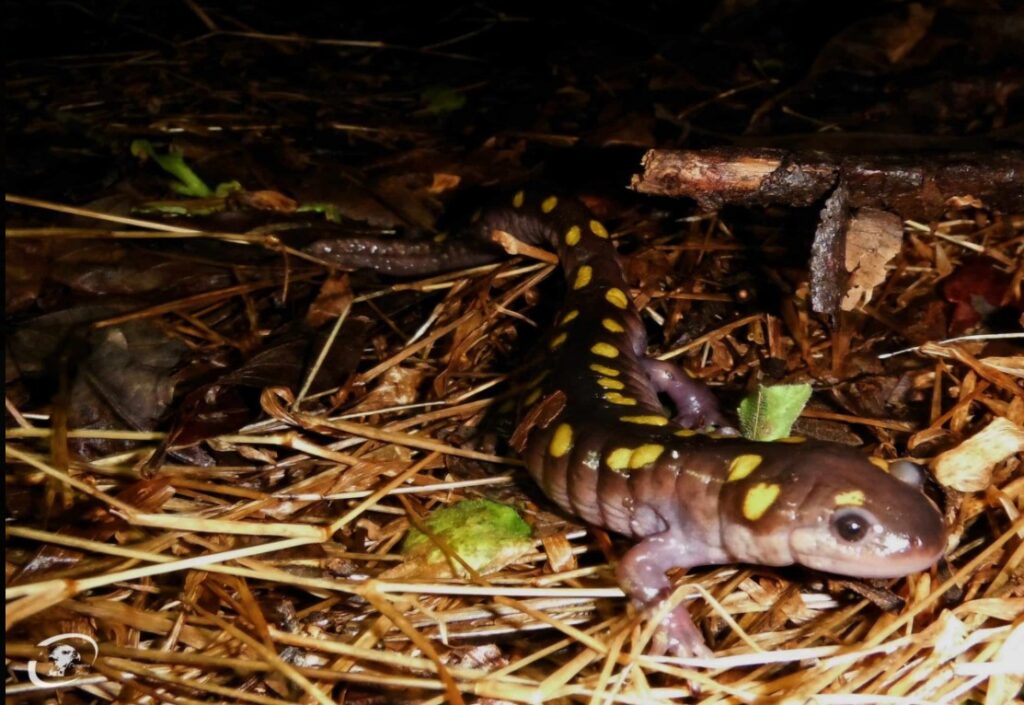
<point>830,508</point>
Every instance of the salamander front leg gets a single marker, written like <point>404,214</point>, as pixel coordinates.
<point>641,573</point>
<point>696,406</point>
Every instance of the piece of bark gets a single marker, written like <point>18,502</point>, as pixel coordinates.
<point>827,274</point>
<point>910,185</point>
<point>873,238</point>
<point>850,250</point>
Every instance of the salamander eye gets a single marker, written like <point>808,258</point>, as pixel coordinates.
<point>850,525</point>
<point>908,472</point>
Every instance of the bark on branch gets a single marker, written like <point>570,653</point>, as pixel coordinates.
<point>912,186</point>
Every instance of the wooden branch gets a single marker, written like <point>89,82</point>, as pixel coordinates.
<point>921,186</point>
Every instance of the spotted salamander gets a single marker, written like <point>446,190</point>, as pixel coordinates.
<point>602,446</point>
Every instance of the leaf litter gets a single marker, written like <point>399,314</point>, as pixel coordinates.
<point>216,444</point>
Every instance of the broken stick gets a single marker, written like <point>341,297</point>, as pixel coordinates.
<point>911,185</point>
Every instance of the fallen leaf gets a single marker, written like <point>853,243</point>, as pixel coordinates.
<point>266,201</point>
<point>969,466</point>
<point>487,535</point>
<point>769,413</point>
<point>397,387</point>
<point>873,238</point>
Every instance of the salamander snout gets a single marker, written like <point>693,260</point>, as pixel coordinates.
<point>862,521</point>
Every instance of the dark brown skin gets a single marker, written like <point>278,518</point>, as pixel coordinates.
<point>602,447</point>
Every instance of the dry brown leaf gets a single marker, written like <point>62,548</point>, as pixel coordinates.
<point>398,386</point>
<point>968,467</point>
<point>965,201</point>
<point>873,239</point>
<point>901,39</point>
<point>268,201</point>
<point>334,297</point>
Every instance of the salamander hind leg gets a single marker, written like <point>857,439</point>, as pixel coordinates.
<point>696,406</point>
<point>641,574</point>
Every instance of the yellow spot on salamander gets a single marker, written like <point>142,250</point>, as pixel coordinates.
<point>583,275</point>
<point>531,398</point>
<point>549,204</point>
<point>879,463</point>
<point>759,498</point>
<point>743,465</point>
<point>790,439</point>
<point>569,317</point>
<point>605,350</point>
<point>608,383</point>
<point>853,498</point>
<point>572,236</point>
<point>612,326</point>
<point>617,298</point>
<point>618,459</point>
<point>606,371</point>
<point>476,215</point>
<point>518,199</point>
<point>557,341</point>
<point>685,433</point>
<point>440,237</point>
<point>650,420</point>
<point>598,229</point>
<point>645,455</point>
<point>616,398</point>
<point>561,441</point>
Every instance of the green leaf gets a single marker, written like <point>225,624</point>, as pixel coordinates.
<point>330,211</point>
<point>769,413</point>
<point>440,100</point>
<point>486,535</point>
<point>226,188</point>
<point>188,208</point>
<point>188,182</point>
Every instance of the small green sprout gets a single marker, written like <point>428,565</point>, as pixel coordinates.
<point>188,182</point>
